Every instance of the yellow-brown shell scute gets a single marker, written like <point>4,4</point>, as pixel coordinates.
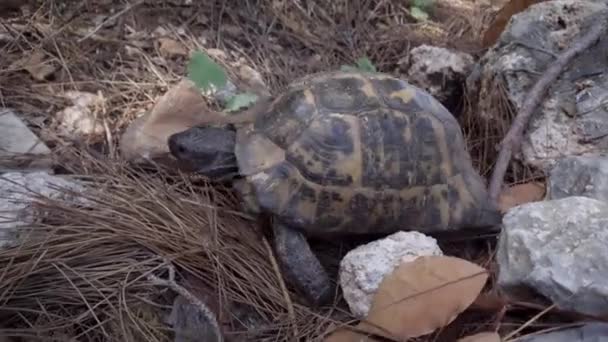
<point>362,153</point>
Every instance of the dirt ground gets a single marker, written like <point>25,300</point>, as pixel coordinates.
<point>123,60</point>
<point>117,50</point>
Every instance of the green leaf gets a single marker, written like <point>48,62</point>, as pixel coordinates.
<point>347,68</point>
<point>424,5</point>
<point>205,73</point>
<point>365,64</point>
<point>239,101</point>
<point>418,14</point>
<point>362,64</point>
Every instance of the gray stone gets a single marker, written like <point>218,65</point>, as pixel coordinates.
<point>16,139</point>
<point>557,248</point>
<point>590,332</point>
<point>579,176</point>
<point>363,268</point>
<point>441,72</point>
<point>16,192</point>
<point>572,119</point>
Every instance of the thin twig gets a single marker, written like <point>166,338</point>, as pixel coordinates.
<point>512,140</point>
<point>114,17</point>
<point>530,321</point>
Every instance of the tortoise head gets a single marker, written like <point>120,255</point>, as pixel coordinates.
<point>208,151</point>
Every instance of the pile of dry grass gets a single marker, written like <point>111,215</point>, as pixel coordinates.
<point>83,272</point>
<point>122,60</point>
<point>284,40</point>
<point>87,271</point>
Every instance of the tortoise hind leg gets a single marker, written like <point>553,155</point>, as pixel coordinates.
<point>300,265</point>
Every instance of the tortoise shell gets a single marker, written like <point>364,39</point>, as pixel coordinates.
<point>358,153</point>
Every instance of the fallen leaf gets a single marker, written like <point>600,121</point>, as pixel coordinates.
<point>37,65</point>
<point>362,64</point>
<point>240,101</point>
<point>348,335</point>
<point>424,5</point>
<point>489,302</point>
<point>520,194</point>
<point>365,64</point>
<point>418,13</point>
<point>205,73</point>
<point>348,68</point>
<point>170,47</point>
<point>502,18</point>
<point>423,295</point>
<point>180,108</point>
<point>481,337</point>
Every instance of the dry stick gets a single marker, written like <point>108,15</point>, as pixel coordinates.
<point>511,142</point>
<point>114,17</point>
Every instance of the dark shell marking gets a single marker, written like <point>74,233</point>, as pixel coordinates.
<point>360,153</point>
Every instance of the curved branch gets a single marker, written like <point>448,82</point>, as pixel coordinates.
<point>512,139</point>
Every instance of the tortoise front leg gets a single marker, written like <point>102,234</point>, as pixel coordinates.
<point>300,265</point>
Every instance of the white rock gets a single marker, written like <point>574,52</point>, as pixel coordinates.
<point>16,139</point>
<point>558,248</point>
<point>16,191</point>
<point>363,268</point>
<point>441,72</point>
<point>81,118</point>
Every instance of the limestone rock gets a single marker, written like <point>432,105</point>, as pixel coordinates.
<point>363,268</point>
<point>81,118</point>
<point>579,176</point>
<point>441,72</point>
<point>16,191</point>
<point>557,248</point>
<point>16,139</point>
<point>590,332</point>
<point>570,119</point>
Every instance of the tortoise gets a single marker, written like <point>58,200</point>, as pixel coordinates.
<point>344,153</point>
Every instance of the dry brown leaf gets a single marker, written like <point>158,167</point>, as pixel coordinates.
<point>423,295</point>
<point>37,65</point>
<point>347,335</point>
<point>502,18</point>
<point>180,108</point>
<point>170,47</point>
<point>489,302</point>
<point>481,337</point>
<point>520,194</point>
